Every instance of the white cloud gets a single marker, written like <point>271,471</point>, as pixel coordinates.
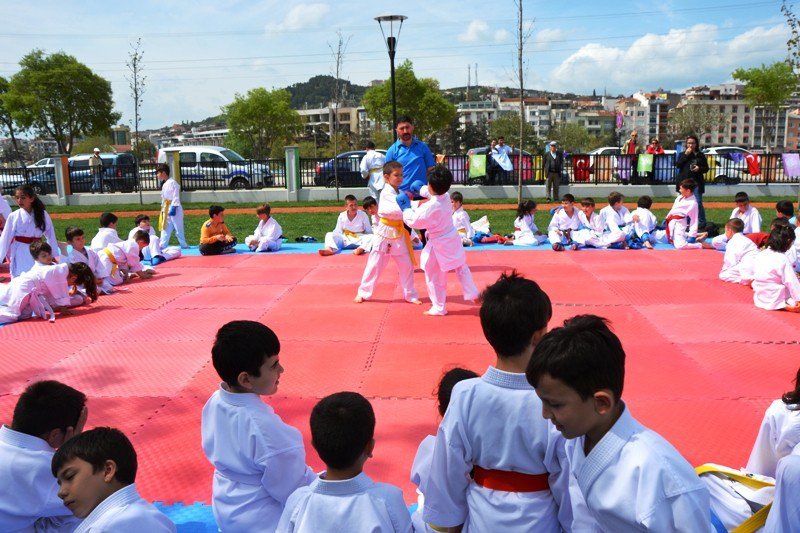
<point>543,39</point>
<point>477,31</point>
<point>299,17</point>
<point>501,36</point>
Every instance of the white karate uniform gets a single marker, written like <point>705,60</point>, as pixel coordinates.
<point>372,169</point>
<point>91,258</point>
<point>778,437</point>
<point>525,232</point>
<point>495,422</point>
<point>171,192</point>
<point>266,237</point>
<point>774,282</point>
<point>357,504</point>
<point>784,517</point>
<point>104,237</point>
<point>125,511</point>
<point>616,224</point>
<point>258,461</point>
<point>20,223</point>
<point>35,291</point>
<point>126,257</point>
<point>420,470</point>
<point>681,229</point>
<point>463,226</point>
<point>752,224</point>
<point>53,289</point>
<point>634,480</point>
<point>154,248</point>
<point>592,232</point>
<point>646,224</point>
<point>349,234</point>
<point>388,242</point>
<point>561,222</point>
<point>29,500</point>
<point>5,209</point>
<point>443,251</point>
<point>737,266</point>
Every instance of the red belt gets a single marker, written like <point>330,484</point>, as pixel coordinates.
<point>510,481</point>
<point>666,225</point>
<point>26,240</point>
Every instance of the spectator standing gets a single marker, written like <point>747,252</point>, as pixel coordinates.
<point>372,169</point>
<point>413,154</point>
<point>553,166</point>
<point>96,168</point>
<point>692,164</point>
<point>632,149</point>
<point>655,147</point>
<point>502,159</point>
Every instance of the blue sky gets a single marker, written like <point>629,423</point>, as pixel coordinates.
<point>198,54</point>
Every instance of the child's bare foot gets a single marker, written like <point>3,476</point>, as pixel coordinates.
<point>325,252</point>
<point>793,308</point>
<point>359,251</point>
<point>648,245</point>
<point>359,300</point>
<point>415,301</point>
<point>431,312</point>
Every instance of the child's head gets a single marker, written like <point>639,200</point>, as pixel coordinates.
<point>587,206</point>
<point>216,213</point>
<point>446,384</point>
<point>49,410</point>
<point>162,170</point>
<point>615,200</point>
<point>687,187</point>
<point>350,204</point>
<point>393,173</point>
<point>108,220</point>
<point>263,212</point>
<point>567,202</point>
<point>780,221</point>
<point>578,371</point>
<point>528,207</point>
<point>142,238</point>
<point>514,314</point>
<point>81,274</point>
<point>142,221</point>
<point>440,179</point>
<point>457,199</point>
<point>75,237</point>
<point>342,430</point>
<point>245,355</point>
<point>370,205</point>
<point>733,226</point>
<point>784,208</point>
<point>781,238</point>
<point>92,466</point>
<point>792,397</point>
<point>742,201</point>
<point>645,202</point>
<point>369,145</point>
<point>41,252</point>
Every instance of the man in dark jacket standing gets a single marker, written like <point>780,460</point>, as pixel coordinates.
<point>553,165</point>
<point>692,163</point>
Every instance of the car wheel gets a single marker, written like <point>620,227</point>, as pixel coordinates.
<point>720,179</point>
<point>331,182</point>
<point>240,184</point>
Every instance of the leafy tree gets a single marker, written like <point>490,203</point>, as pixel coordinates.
<point>507,126</point>
<point>7,122</point>
<point>144,149</point>
<point>697,119</point>
<point>259,120</point>
<point>571,137</point>
<point>420,98</point>
<point>59,97</point>
<point>768,87</point>
<point>87,144</point>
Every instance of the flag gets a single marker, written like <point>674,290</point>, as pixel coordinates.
<point>791,165</point>
<point>620,120</point>
<point>752,164</point>
<point>736,157</point>
<point>645,163</point>
<point>624,166</point>
<point>477,165</point>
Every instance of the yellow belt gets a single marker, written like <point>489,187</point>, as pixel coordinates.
<point>759,518</point>
<point>113,260</point>
<point>162,216</point>
<point>398,225</point>
<point>462,231</point>
<point>352,234</point>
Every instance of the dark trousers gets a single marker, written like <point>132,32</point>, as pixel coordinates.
<point>216,248</point>
<point>552,182</point>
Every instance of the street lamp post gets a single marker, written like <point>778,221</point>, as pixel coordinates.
<point>391,46</point>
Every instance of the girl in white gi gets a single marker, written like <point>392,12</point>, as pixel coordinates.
<point>353,230</point>
<point>268,233</point>
<point>565,220</point>
<point>258,459</point>
<point>119,261</point>
<point>748,214</point>
<point>421,468</point>
<point>153,253</point>
<point>614,217</point>
<point>96,473</point>
<point>740,253</point>
<point>171,217</point>
<point>443,250</point>
<point>343,497</point>
<point>27,224</point>
<point>775,285</point>
<point>43,291</point>
<point>493,428</point>
<point>681,222</point>
<point>525,231</point>
<point>630,478</point>
<point>641,223</point>
<point>107,233</point>
<point>391,239</point>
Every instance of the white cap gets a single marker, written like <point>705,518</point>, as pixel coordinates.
<point>97,149</point>
<point>553,143</point>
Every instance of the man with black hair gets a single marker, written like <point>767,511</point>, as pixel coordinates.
<point>413,154</point>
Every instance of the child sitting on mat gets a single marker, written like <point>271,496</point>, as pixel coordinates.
<point>525,231</point>
<point>258,459</point>
<point>680,226</point>
<point>565,220</point>
<point>641,224</point>
<point>740,252</point>
<point>775,285</point>
<point>107,233</point>
<point>154,252</point>
<point>268,233</point>
<point>353,230</point>
<point>343,497</point>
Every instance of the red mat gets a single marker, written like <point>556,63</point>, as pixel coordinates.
<point>702,362</point>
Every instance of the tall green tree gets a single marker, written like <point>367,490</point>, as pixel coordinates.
<point>60,98</point>
<point>419,98</point>
<point>87,144</point>
<point>768,87</point>
<point>259,120</point>
<point>507,125</point>
<point>7,123</point>
<point>697,119</point>
<point>571,137</point>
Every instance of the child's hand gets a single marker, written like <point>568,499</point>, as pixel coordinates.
<point>635,218</point>
<point>173,211</point>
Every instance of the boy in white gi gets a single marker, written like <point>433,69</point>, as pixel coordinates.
<point>680,226</point>
<point>120,260</point>
<point>372,169</point>
<point>258,459</point>
<point>744,211</point>
<point>443,250</point>
<point>353,230</point>
<point>775,285</point>
<point>79,253</point>
<point>493,429</point>
<point>461,219</point>
<point>27,224</point>
<point>740,252</point>
<point>642,222</point>
<point>614,216</point>
<point>391,239</point>
<point>153,253</point>
<point>631,478</point>
<point>565,220</point>
<point>53,292</point>
<point>107,233</point>
<point>96,472</point>
<point>267,235</point>
<point>47,414</point>
<point>593,226</point>
<point>343,497</point>
<point>171,217</point>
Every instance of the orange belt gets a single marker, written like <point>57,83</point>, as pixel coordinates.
<point>510,481</point>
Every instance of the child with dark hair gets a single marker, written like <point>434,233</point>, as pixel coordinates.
<point>615,221</point>
<point>107,233</point>
<point>593,228</point>
<point>497,464</point>
<point>775,285</point>
<point>42,254</point>
<point>631,478</point>
<point>171,216</point>
<point>24,226</point>
<point>343,497</point>
<point>215,237</point>
<point>268,233</point>
<point>744,211</point>
<point>641,224</point>
<point>779,434</point>
<point>784,209</point>
<point>47,414</point>
<point>740,252</point>
<point>96,474</point>
<point>79,253</point>
<point>120,261</point>
<point>353,230</point>
<point>421,468</point>
<point>525,231</point>
<point>154,252</point>
<point>565,220</point>
<point>258,459</point>
<point>461,219</point>
<point>680,226</point>
<point>443,250</point>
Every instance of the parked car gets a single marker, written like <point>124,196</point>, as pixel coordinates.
<point>528,172</point>
<point>119,174</point>
<point>217,167</point>
<point>725,168</point>
<point>349,169</point>
<point>47,162</point>
<point>605,161</point>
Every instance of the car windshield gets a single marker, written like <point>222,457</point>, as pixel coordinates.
<point>230,155</point>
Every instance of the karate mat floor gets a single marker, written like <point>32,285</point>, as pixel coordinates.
<point>703,363</point>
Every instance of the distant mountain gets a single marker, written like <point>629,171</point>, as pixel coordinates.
<point>318,92</point>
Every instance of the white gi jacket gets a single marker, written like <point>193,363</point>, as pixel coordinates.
<point>104,237</point>
<point>778,437</point>
<point>737,265</point>
<point>435,216</point>
<point>774,281</point>
<point>751,218</point>
<point>34,291</point>
<point>126,511</point>
<point>784,517</point>
<point>647,221</point>
<point>420,470</point>
<point>372,168</point>
<point>20,223</point>
<point>462,223</point>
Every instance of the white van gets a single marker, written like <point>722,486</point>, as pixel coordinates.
<point>216,167</point>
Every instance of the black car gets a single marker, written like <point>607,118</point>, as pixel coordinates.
<point>349,166</point>
<point>119,174</point>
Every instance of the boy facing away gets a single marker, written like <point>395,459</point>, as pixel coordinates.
<point>258,459</point>
<point>96,474</point>
<point>353,230</point>
<point>47,414</point>
<point>740,252</point>
<point>630,477</point>
<point>344,498</point>
<point>492,429</point>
